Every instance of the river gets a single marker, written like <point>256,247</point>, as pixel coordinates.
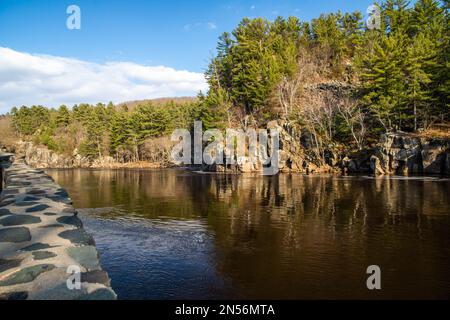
<point>172,234</point>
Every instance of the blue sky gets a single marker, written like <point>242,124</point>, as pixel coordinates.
<point>149,48</point>
<point>179,34</point>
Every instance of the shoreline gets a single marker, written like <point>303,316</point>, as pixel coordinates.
<point>433,177</point>
<point>395,154</point>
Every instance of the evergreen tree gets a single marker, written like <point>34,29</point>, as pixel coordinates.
<point>330,39</point>
<point>118,131</point>
<point>63,116</point>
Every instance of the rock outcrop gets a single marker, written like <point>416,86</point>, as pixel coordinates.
<point>405,154</point>
<point>42,157</point>
<point>294,155</point>
<point>396,153</point>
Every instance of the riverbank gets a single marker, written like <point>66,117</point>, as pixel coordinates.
<point>41,238</point>
<point>396,153</point>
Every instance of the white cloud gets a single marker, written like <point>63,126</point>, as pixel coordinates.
<point>27,79</point>
<point>208,25</point>
<point>252,7</point>
<point>211,25</point>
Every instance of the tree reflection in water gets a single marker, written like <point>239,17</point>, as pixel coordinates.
<point>280,237</point>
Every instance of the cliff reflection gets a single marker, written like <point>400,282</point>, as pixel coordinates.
<point>293,236</point>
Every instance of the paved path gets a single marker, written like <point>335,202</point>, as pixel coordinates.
<point>40,238</point>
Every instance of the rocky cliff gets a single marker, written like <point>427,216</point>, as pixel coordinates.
<point>395,153</point>
<point>42,157</point>
<point>401,153</point>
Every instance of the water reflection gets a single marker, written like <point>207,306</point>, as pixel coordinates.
<point>194,235</point>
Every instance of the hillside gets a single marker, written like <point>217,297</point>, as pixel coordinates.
<point>158,102</point>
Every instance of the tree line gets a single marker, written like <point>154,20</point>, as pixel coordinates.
<point>396,76</point>
<point>102,130</point>
<point>333,77</point>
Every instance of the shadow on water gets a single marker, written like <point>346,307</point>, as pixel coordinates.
<point>170,234</point>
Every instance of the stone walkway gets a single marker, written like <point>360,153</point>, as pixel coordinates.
<point>40,238</point>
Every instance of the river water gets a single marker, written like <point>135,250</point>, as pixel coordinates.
<point>171,234</point>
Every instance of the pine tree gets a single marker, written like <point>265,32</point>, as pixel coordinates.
<point>383,79</point>
<point>118,131</point>
<point>430,25</point>
<point>63,116</point>
<point>396,16</point>
<point>417,78</point>
<point>330,39</point>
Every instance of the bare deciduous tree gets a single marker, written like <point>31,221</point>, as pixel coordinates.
<point>290,88</point>
<point>317,113</point>
<point>354,118</point>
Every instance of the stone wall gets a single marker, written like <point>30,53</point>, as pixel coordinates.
<point>40,238</point>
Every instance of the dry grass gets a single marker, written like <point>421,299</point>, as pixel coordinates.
<point>7,136</point>
<point>137,165</point>
<point>441,131</point>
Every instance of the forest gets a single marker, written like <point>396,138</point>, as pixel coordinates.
<point>333,77</point>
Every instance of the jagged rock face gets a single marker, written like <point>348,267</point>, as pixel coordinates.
<point>292,155</point>
<point>436,157</point>
<point>396,153</point>
<point>42,157</point>
<point>400,153</point>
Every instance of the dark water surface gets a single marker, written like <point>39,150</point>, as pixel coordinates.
<point>171,234</point>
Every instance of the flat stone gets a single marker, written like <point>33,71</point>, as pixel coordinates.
<point>96,276</point>
<point>54,225</point>
<point>30,198</point>
<point>69,210</point>
<point>19,219</point>
<point>18,295</point>
<point>4,196</point>
<point>37,246</point>
<point>41,255</point>
<point>77,236</point>
<point>10,191</point>
<point>99,294</point>
<point>62,193</point>
<point>5,203</point>
<point>9,264</point>
<point>72,220</point>
<point>86,256</point>
<point>39,207</point>
<point>5,212</point>
<point>26,275</point>
<point>64,200</point>
<point>19,184</point>
<point>36,191</point>
<point>18,234</point>
<point>25,203</point>
<point>60,292</point>
<point>50,214</point>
